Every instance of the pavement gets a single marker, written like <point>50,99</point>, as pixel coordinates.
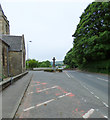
<point>10,80</point>
<point>12,95</point>
<point>70,94</point>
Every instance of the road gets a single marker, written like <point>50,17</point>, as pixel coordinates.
<point>70,94</point>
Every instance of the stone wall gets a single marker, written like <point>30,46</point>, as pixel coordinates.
<point>4,24</point>
<point>5,61</point>
<point>0,59</point>
<point>15,60</point>
<point>23,61</point>
<point>0,26</point>
<point>23,55</point>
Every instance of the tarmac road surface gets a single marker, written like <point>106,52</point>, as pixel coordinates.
<point>70,94</point>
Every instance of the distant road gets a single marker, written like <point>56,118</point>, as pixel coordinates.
<point>70,94</point>
<point>38,69</point>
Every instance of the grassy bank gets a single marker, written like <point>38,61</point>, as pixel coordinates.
<point>98,67</point>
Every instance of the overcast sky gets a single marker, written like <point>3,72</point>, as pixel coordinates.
<point>49,24</point>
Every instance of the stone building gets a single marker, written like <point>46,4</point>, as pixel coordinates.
<point>4,23</point>
<point>0,59</point>
<point>12,49</point>
<point>4,57</point>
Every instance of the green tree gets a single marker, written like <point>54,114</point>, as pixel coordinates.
<point>91,41</point>
<point>45,64</point>
<point>48,64</point>
<point>69,59</point>
<point>32,63</point>
<point>92,35</point>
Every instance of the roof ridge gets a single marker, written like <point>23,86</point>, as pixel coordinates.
<point>12,35</point>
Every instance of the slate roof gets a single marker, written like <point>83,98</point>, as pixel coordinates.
<point>15,42</point>
<point>4,42</point>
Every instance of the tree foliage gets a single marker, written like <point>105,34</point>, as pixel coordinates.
<point>92,36</point>
<point>45,64</point>
<point>32,63</point>
<point>70,59</point>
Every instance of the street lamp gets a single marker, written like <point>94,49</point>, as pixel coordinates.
<point>28,53</point>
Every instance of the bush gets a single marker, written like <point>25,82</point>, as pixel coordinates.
<point>49,70</point>
<point>59,70</point>
<point>67,67</point>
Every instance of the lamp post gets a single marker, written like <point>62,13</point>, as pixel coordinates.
<point>28,54</point>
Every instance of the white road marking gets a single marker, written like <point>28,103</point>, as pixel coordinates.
<point>105,104</point>
<point>30,93</point>
<point>97,97</point>
<point>94,95</point>
<point>85,100</point>
<point>28,108</point>
<point>102,79</point>
<point>72,76</point>
<point>87,115</point>
<point>91,92</point>
<point>67,74</point>
<point>43,90</point>
<point>64,95</point>
<point>36,85</point>
<point>52,100</point>
<point>47,89</point>
<point>85,86</point>
<point>105,117</point>
<point>45,102</point>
